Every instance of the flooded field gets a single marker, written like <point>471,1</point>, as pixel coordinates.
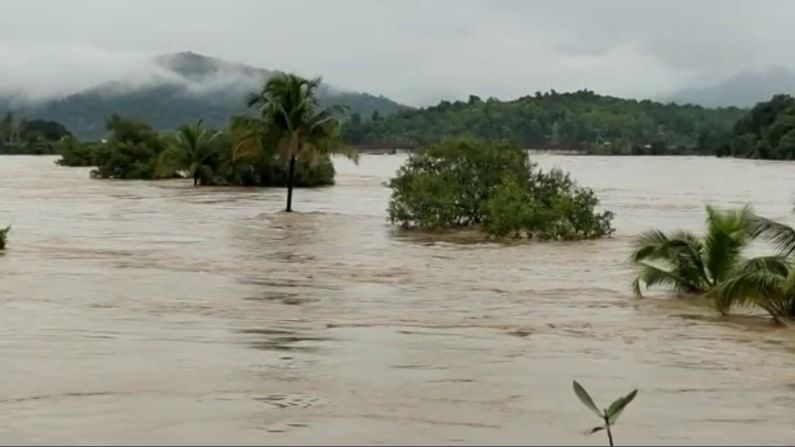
<point>155,312</point>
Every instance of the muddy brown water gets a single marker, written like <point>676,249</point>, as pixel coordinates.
<point>141,312</point>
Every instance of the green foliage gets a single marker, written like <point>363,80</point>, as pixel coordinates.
<point>131,152</point>
<point>292,126</point>
<point>767,131</point>
<point>581,121</point>
<point>689,264</point>
<point>766,282</point>
<point>136,151</point>
<point>191,151</point>
<point>34,137</point>
<point>609,416</point>
<point>4,237</point>
<point>462,182</point>
<point>76,153</point>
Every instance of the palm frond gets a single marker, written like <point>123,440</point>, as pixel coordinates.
<point>776,263</point>
<point>655,244</point>
<point>757,287</point>
<point>728,232</point>
<point>780,234</point>
<point>650,275</point>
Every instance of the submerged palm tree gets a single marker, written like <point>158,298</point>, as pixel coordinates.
<point>766,282</point>
<point>689,264</point>
<point>191,151</point>
<point>292,123</point>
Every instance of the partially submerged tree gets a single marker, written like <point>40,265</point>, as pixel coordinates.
<point>493,186</point>
<point>688,264</point>
<point>190,151</point>
<point>765,282</point>
<point>292,122</point>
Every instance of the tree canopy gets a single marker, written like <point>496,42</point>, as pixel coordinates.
<point>134,150</point>
<point>581,120</point>
<point>767,131</point>
<point>463,182</point>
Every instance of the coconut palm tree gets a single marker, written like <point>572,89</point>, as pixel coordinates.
<point>190,151</point>
<point>689,264</point>
<point>293,124</point>
<point>765,282</point>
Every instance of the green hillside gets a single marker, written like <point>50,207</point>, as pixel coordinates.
<point>582,120</point>
<point>187,87</point>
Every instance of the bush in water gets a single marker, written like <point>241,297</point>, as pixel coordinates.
<point>495,186</point>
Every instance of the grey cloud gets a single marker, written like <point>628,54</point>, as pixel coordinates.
<point>414,51</point>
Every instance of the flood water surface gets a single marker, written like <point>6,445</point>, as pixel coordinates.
<point>155,312</point>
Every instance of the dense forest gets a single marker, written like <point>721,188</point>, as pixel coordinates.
<point>582,121</point>
<point>766,132</point>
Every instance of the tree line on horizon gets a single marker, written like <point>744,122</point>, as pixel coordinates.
<point>581,121</point>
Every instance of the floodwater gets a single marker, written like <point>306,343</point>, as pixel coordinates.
<point>143,313</point>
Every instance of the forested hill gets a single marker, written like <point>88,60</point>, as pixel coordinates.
<point>178,88</point>
<point>581,120</point>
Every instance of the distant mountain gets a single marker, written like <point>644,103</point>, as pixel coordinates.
<point>176,88</point>
<point>742,90</point>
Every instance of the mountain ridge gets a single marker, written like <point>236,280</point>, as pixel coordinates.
<point>176,88</point>
<point>743,89</point>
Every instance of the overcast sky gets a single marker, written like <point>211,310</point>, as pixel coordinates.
<point>415,51</point>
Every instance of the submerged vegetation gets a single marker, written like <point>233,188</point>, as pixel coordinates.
<point>36,137</point>
<point>287,143</point>
<point>462,183</point>
<point>4,237</point>
<point>715,265</point>
<point>688,263</point>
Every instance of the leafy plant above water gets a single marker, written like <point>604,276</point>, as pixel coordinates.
<point>690,264</point>
<point>609,415</point>
<point>494,187</point>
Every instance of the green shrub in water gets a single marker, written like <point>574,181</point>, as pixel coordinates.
<point>495,186</point>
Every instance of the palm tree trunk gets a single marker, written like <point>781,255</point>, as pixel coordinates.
<point>290,175</point>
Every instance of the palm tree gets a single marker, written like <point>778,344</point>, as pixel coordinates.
<point>766,282</point>
<point>190,151</point>
<point>689,264</point>
<point>292,123</point>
